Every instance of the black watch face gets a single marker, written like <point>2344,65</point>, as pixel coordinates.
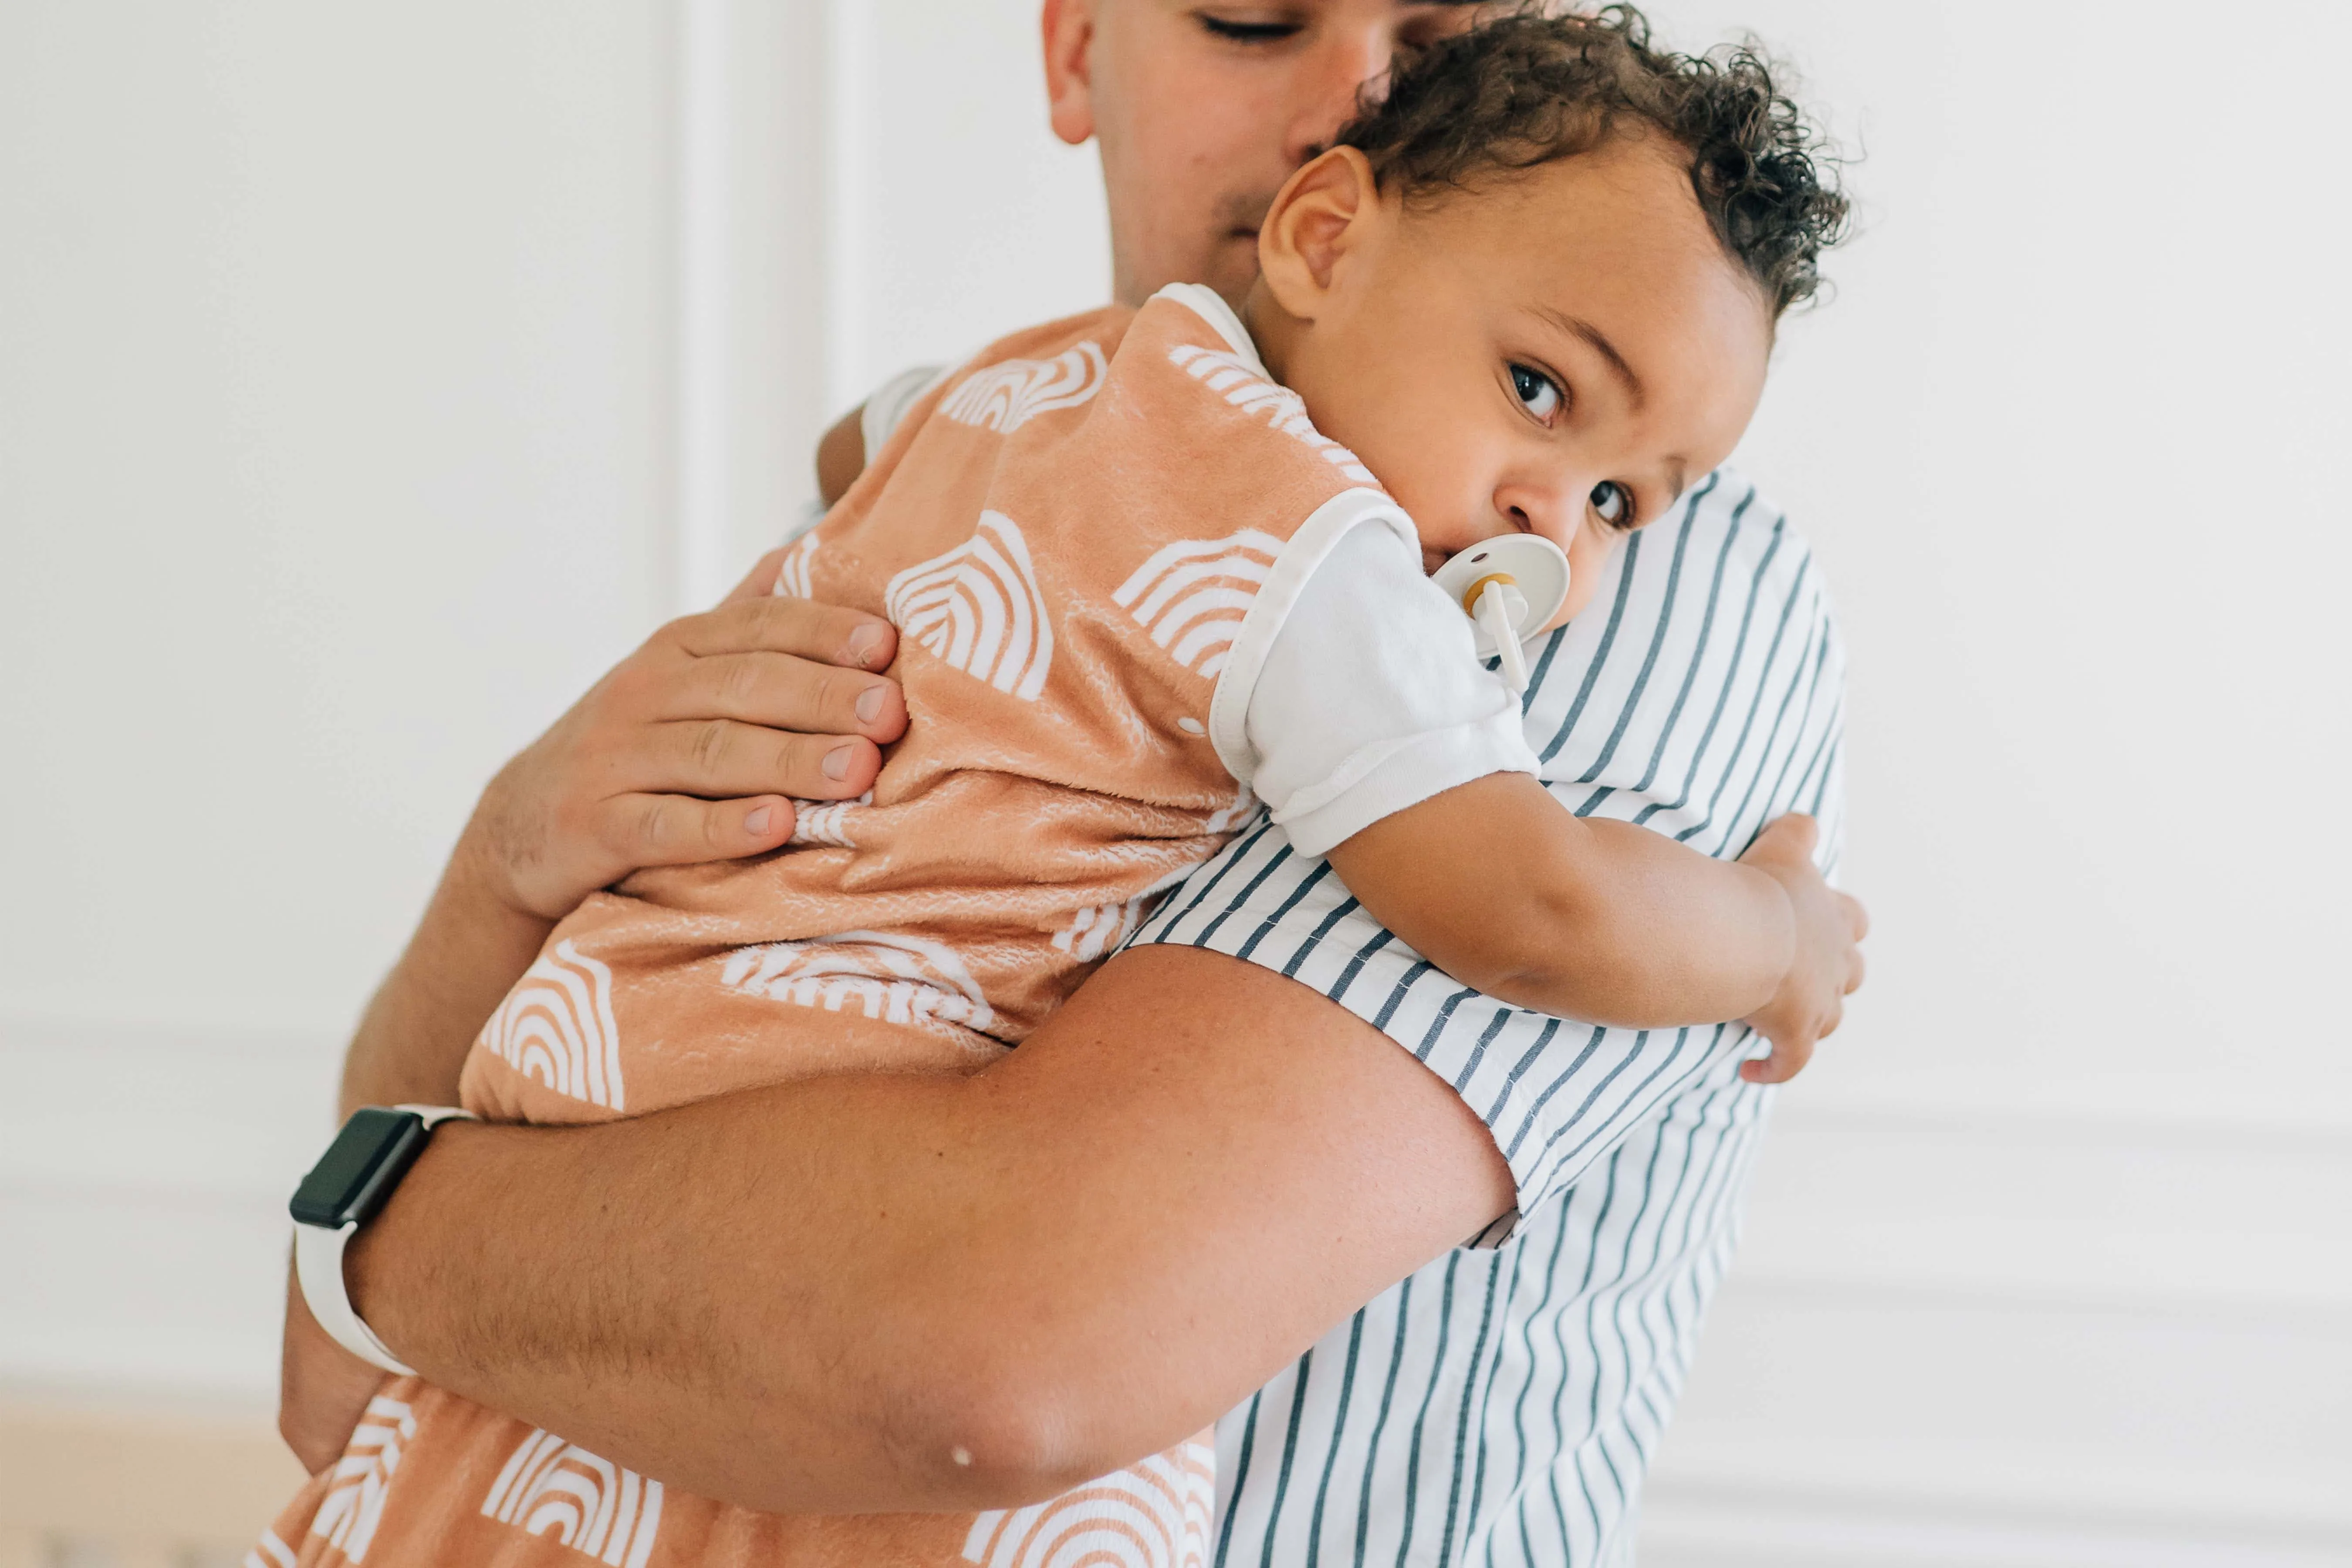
<point>360,1168</point>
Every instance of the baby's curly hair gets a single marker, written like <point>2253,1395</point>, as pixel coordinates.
<point>1527,87</point>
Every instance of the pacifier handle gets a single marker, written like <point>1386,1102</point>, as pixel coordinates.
<point>1501,610</point>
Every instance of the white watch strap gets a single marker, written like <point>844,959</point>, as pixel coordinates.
<point>318,1266</point>
<point>319,1263</point>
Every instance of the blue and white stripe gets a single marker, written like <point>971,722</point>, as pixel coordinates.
<point>1501,1405</point>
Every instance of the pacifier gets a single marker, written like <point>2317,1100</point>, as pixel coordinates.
<point>1508,586</point>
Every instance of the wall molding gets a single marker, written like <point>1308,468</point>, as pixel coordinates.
<point>1698,1526</point>
<point>753,332</point>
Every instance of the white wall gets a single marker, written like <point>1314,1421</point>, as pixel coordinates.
<point>334,460</point>
<point>342,359</point>
<point>2048,1259</point>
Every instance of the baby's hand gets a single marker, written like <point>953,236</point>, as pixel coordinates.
<point>1827,965</point>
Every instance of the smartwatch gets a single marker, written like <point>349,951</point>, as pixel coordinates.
<point>348,1185</point>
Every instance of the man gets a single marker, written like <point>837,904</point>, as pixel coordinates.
<point>875,1293</point>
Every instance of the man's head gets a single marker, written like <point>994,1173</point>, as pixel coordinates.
<point>1534,287</point>
<point>1203,108</point>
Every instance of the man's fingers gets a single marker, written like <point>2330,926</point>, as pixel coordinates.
<point>722,758</point>
<point>781,693</point>
<point>1856,968</point>
<point>677,830</point>
<point>802,627</point>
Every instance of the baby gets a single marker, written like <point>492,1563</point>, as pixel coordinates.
<point>1152,567</point>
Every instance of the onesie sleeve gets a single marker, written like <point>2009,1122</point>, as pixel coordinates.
<point>1370,697</point>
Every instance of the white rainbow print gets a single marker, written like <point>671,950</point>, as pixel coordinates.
<point>1006,395</point>
<point>549,1487</point>
<point>269,1553</point>
<point>1245,805</point>
<point>1191,595</point>
<point>793,580</point>
<point>587,1503</point>
<point>1153,1516</point>
<point>827,822</point>
<point>347,1515</point>
<point>1093,930</point>
<point>884,975</point>
<point>978,608</point>
<point>1245,389</point>
<point>556,1025</point>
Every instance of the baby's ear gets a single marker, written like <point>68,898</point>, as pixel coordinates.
<point>1325,210</point>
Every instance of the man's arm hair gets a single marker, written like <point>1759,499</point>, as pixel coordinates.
<point>884,1292</point>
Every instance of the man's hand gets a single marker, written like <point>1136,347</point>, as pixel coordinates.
<point>691,747</point>
<point>1827,967</point>
<point>323,1388</point>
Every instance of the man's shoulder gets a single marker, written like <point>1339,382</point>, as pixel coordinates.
<point>1731,509</point>
<point>1678,606</point>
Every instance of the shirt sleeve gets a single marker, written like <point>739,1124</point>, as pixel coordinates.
<point>1370,696</point>
<point>1698,715</point>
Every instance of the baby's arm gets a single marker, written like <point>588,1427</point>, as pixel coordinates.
<point>1505,889</point>
<point>841,455</point>
<point>1380,742</point>
<point>842,452</point>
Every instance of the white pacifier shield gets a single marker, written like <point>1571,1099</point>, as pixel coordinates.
<point>1537,565</point>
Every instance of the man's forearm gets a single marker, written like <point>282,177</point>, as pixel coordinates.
<point>876,1292</point>
<point>468,949</point>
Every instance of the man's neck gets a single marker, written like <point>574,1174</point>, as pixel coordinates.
<point>1273,330</point>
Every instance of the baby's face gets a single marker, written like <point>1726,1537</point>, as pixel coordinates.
<point>1562,353</point>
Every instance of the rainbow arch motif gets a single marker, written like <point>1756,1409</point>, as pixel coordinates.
<point>884,975</point>
<point>978,610</point>
<point>1245,389</point>
<point>556,1025</point>
<point>1155,1515</point>
<point>552,1487</point>
<point>1193,596</point>
<point>792,577</point>
<point>1008,394</point>
<point>353,1506</point>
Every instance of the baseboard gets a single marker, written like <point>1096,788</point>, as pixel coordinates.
<point>1698,1526</point>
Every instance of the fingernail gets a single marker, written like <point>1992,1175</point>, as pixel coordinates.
<point>837,763</point>
<point>756,825</point>
<point>865,643</point>
<point>869,703</point>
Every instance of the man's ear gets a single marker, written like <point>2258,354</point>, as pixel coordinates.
<point>1068,27</point>
<point>1321,212</point>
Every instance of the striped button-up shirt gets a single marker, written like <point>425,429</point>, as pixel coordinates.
<point>1500,1405</point>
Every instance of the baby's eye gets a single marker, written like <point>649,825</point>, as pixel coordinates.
<point>1539,394</point>
<point>1611,505</point>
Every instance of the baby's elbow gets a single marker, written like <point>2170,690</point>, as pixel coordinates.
<point>1540,949</point>
<point>1528,968</point>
